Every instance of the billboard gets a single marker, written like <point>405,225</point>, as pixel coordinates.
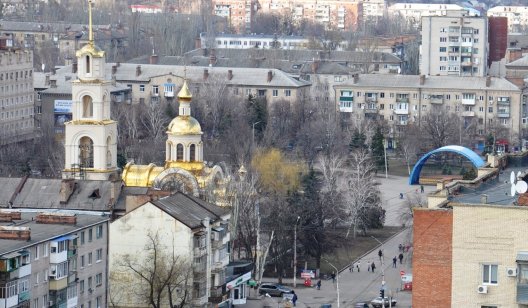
<point>63,113</point>
<point>63,106</point>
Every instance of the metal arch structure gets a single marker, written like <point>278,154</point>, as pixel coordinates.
<point>473,157</point>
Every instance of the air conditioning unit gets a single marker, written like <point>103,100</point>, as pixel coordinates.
<point>511,272</point>
<point>482,289</point>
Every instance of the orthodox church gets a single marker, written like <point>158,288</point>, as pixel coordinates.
<point>91,135</point>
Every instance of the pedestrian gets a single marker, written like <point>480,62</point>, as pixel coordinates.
<point>394,262</point>
<point>373,266</point>
<point>333,277</point>
<point>401,257</point>
<point>368,266</point>
<point>380,254</point>
<point>421,189</point>
<point>351,268</point>
<point>318,284</point>
<point>400,247</point>
<point>294,299</point>
<point>401,195</point>
<point>407,247</point>
<point>358,265</point>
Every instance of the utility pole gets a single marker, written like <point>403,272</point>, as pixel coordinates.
<point>295,252</point>
<point>385,153</point>
<point>337,279</point>
<point>382,271</point>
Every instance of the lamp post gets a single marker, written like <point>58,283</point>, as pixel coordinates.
<point>337,279</point>
<point>253,132</point>
<point>295,252</point>
<point>382,271</point>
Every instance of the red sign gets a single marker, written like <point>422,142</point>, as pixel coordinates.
<point>402,273</point>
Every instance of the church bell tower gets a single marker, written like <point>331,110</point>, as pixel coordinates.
<point>91,135</point>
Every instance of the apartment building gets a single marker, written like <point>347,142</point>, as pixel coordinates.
<point>373,9</point>
<point>454,45</point>
<point>16,93</point>
<point>405,99</point>
<point>239,13</point>
<point>190,228</point>
<point>53,259</point>
<point>517,16</point>
<point>414,12</point>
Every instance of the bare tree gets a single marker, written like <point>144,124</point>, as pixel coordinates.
<point>160,277</point>
<point>440,125</point>
<point>409,142</point>
<point>412,201</point>
<point>154,120</point>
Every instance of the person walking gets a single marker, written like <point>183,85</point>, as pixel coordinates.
<point>333,277</point>
<point>373,266</point>
<point>368,266</point>
<point>401,258</point>
<point>400,247</point>
<point>394,262</point>
<point>294,299</point>
<point>318,284</point>
<point>358,265</point>
<point>380,254</point>
<point>422,189</point>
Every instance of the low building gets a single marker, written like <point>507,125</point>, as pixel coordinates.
<point>405,99</point>
<point>53,259</point>
<point>191,229</point>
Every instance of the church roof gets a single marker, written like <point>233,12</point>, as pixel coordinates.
<point>190,210</point>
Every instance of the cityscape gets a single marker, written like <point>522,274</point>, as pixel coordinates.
<point>263,153</point>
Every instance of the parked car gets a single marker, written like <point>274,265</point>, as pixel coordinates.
<point>274,289</point>
<point>378,302</point>
<point>361,305</point>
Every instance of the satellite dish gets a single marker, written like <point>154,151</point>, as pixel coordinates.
<point>513,190</point>
<point>512,177</point>
<point>521,187</point>
<point>519,174</point>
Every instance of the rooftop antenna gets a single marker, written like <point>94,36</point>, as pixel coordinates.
<point>520,187</point>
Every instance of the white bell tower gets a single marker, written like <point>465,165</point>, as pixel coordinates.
<point>91,135</point>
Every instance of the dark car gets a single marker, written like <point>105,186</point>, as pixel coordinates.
<point>378,302</point>
<point>274,289</point>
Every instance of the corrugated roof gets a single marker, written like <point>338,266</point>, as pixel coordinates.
<point>522,256</point>
<point>431,82</point>
<point>522,62</point>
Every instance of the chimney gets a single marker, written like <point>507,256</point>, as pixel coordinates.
<point>514,54</point>
<point>355,78</point>
<point>153,59</point>
<point>205,74</point>
<point>114,69</point>
<point>212,58</point>
<point>422,80</point>
<point>53,218</point>
<point>484,199</point>
<point>67,188</point>
<point>10,216</point>
<point>74,67</point>
<point>15,233</point>
<point>229,74</point>
<point>270,76</point>
<point>138,70</point>
<point>197,43</point>
<point>315,66</point>
<point>488,81</point>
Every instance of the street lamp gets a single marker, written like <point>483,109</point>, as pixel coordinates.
<point>253,132</point>
<point>382,271</point>
<point>337,279</point>
<point>295,253</point>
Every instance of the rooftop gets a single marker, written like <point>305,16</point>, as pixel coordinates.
<point>42,232</point>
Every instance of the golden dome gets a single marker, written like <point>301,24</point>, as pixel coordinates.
<point>184,125</point>
<point>90,49</point>
<point>185,93</point>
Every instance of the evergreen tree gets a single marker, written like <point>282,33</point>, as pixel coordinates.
<point>258,115</point>
<point>377,149</point>
<point>358,141</point>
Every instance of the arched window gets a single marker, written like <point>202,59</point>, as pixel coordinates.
<point>86,153</point>
<point>108,153</point>
<point>88,65</point>
<point>179,152</point>
<point>87,106</point>
<point>192,152</point>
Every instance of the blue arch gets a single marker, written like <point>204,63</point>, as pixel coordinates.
<point>467,153</point>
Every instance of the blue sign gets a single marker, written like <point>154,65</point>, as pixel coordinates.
<point>62,106</point>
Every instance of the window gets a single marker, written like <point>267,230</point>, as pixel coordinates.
<point>99,231</point>
<point>37,248</point>
<point>391,106</point>
<point>443,49</point>
<point>382,106</point>
<point>82,238</point>
<point>90,235</point>
<point>87,106</point>
<point>179,151</point>
<point>489,273</point>
<point>192,152</point>
<point>391,118</point>
<point>99,255</point>
<point>45,249</point>
<point>88,66</point>
<point>89,258</point>
<point>82,261</point>
<point>490,109</point>
<point>141,88</point>
<point>443,39</point>
<point>89,282</point>
<point>45,273</point>
<point>36,303</point>
<point>382,94</point>
<point>504,121</point>
<point>99,279</point>
<point>442,68</point>
<point>287,92</point>
<point>481,109</point>
<point>261,93</point>
<point>81,286</point>
<point>275,93</point>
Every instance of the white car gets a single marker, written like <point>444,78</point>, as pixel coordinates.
<point>378,302</point>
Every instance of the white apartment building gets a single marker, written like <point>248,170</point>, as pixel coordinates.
<point>414,12</point>
<point>16,93</point>
<point>517,16</point>
<point>454,45</point>
<point>374,8</point>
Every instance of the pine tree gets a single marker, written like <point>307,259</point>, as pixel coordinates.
<point>358,141</point>
<point>377,149</point>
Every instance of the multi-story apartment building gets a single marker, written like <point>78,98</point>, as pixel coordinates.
<point>414,12</point>
<point>54,259</point>
<point>187,227</point>
<point>16,93</point>
<point>239,13</point>
<point>517,16</point>
<point>374,9</point>
<point>455,45</point>
<point>404,99</point>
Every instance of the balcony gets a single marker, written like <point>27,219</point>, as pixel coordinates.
<point>402,122</point>
<point>58,257</point>
<point>468,113</point>
<point>23,296</point>
<point>370,110</point>
<point>468,101</point>
<point>346,107</point>
<point>503,114</point>
<point>169,94</point>
<point>401,111</point>
<point>24,270</point>
<point>503,100</point>
<point>72,253</point>
<point>466,63</point>
<point>199,251</point>
<point>199,268</point>
<point>55,285</point>
<point>466,44</point>
<point>436,99</point>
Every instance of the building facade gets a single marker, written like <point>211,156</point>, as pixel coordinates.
<point>413,12</point>
<point>239,13</point>
<point>404,99</point>
<point>374,9</point>
<point>55,260</point>
<point>189,228</point>
<point>16,93</point>
<point>454,45</point>
<point>517,16</point>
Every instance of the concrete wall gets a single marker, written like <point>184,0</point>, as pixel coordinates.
<point>432,232</point>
